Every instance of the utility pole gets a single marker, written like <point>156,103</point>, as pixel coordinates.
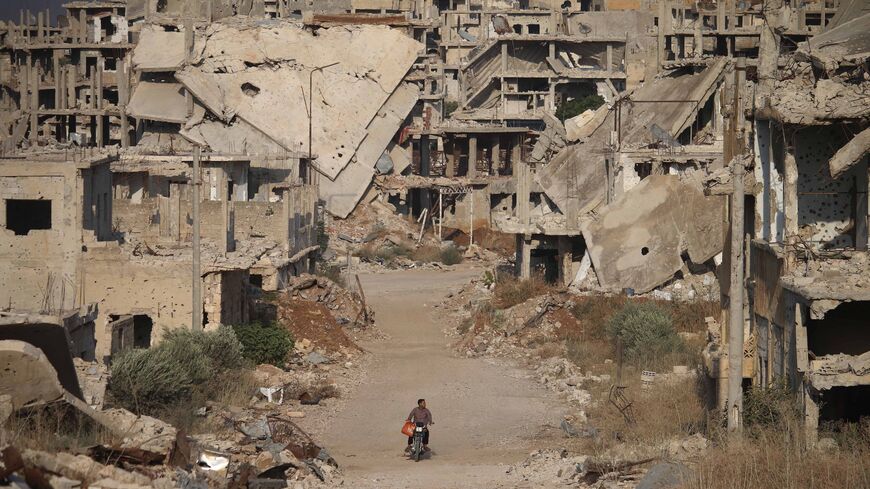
<point>736,284</point>
<point>310,169</point>
<point>197,276</point>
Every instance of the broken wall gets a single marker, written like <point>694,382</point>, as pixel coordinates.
<point>826,206</point>
<point>158,288</point>
<point>225,298</point>
<point>38,269</point>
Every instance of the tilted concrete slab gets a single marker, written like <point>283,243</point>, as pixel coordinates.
<point>159,50</point>
<point>236,138</point>
<point>637,241</point>
<point>163,102</point>
<point>342,195</point>
<point>28,376</point>
<point>850,154</point>
<point>259,72</point>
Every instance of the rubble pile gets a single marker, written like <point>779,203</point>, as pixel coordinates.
<point>628,469</point>
<point>346,306</point>
<point>258,445</point>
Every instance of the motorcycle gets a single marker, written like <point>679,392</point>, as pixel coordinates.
<point>417,443</point>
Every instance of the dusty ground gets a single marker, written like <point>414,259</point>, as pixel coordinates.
<point>486,417</point>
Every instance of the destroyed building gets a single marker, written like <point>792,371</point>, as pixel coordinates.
<point>807,226</point>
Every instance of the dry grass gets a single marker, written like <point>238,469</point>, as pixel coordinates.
<point>669,409</point>
<point>230,388</point>
<point>775,457</point>
<point>53,428</point>
<point>510,291</point>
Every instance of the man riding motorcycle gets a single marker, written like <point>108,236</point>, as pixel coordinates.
<point>420,416</point>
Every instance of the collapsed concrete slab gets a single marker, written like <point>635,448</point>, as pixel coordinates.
<point>851,154</point>
<point>342,194</point>
<point>28,376</point>
<point>163,102</point>
<point>248,70</point>
<point>847,42</point>
<point>158,50</point>
<point>242,71</point>
<point>638,240</point>
<point>655,114</point>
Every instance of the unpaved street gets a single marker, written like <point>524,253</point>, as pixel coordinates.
<point>486,417</point>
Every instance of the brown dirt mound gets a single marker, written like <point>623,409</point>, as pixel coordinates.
<point>313,321</point>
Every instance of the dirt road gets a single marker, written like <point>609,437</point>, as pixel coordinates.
<point>486,417</point>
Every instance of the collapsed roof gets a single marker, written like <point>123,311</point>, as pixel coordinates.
<point>660,109</point>
<point>253,78</point>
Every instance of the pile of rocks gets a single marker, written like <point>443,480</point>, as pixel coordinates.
<point>346,306</point>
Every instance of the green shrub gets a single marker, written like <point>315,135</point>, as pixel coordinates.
<point>450,107</point>
<point>647,333</point>
<point>264,343</point>
<point>577,106</point>
<point>451,256</point>
<point>145,381</point>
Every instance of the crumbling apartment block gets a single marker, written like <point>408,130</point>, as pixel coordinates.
<point>579,201</point>
<point>691,32</point>
<point>809,253</point>
<point>69,83</point>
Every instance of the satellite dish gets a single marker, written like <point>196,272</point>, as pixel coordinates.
<point>583,28</point>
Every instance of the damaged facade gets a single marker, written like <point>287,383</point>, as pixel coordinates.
<point>453,114</point>
<point>808,226</point>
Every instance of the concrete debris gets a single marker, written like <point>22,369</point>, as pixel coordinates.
<point>799,98</point>
<point>346,306</point>
<point>851,154</point>
<point>93,377</point>
<point>140,432</point>
<point>638,241</point>
<point>582,126</point>
<point>840,370</point>
<point>159,50</point>
<point>665,475</point>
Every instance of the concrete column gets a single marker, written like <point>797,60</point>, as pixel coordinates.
<point>790,198</point>
<point>287,219</point>
<point>83,26</point>
<point>496,154</point>
<point>504,57</point>
<point>566,260</point>
<point>224,196</point>
<point>663,12</point>
<point>516,153</point>
<point>472,156</point>
<point>524,257</point>
<point>609,59</point>
<point>698,39</point>
<point>71,96</point>
<point>123,95</point>
<point>99,81</point>
<point>811,414</point>
<point>33,66</point>
<point>452,159</point>
<point>57,72</point>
